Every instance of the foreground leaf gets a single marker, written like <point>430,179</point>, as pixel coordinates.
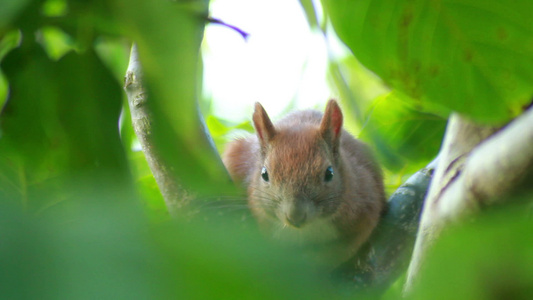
<point>470,56</point>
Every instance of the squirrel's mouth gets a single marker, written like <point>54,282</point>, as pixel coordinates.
<point>296,221</point>
<point>311,232</point>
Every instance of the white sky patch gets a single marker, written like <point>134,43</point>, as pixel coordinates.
<point>282,61</point>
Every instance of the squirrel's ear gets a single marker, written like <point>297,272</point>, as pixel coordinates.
<point>263,126</point>
<point>331,125</point>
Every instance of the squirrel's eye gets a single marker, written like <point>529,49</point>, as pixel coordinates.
<point>264,174</point>
<point>329,174</point>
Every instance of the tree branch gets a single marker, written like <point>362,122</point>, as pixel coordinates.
<point>477,166</point>
<point>142,124</point>
<point>391,243</point>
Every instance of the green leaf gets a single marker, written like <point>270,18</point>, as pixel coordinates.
<point>168,38</point>
<point>55,42</point>
<point>489,257</point>
<point>470,56</point>
<point>147,188</point>
<point>310,13</point>
<point>59,126</point>
<point>55,8</point>
<point>9,9</point>
<point>404,137</point>
<point>114,53</point>
<point>105,251</point>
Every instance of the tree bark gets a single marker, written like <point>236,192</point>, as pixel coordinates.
<point>391,243</point>
<point>141,118</point>
<point>478,166</point>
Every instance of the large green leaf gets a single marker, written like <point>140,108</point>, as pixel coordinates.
<point>471,56</point>
<point>102,252</point>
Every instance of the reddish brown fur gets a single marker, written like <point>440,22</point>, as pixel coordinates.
<point>296,151</point>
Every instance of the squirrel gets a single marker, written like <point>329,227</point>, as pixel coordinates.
<point>309,182</point>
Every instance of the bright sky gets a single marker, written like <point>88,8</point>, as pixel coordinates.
<point>282,60</point>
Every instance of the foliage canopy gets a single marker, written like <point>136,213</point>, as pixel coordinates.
<point>80,214</point>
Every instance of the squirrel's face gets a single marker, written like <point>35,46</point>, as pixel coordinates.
<point>298,181</point>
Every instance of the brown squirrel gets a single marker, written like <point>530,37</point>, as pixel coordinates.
<point>309,181</point>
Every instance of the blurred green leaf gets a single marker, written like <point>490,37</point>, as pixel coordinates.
<point>168,37</point>
<point>222,131</point>
<point>9,9</point>
<point>59,128</point>
<point>55,42</point>
<point>490,258</point>
<point>471,56</point>
<point>55,8</point>
<point>404,137</point>
<point>310,13</point>
<point>357,87</point>
<point>3,91</point>
<point>9,41</point>
<point>114,53</point>
<point>147,188</point>
<point>106,251</point>
<point>216,127</point>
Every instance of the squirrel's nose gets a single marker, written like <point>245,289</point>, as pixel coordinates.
<point>296,219</point>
